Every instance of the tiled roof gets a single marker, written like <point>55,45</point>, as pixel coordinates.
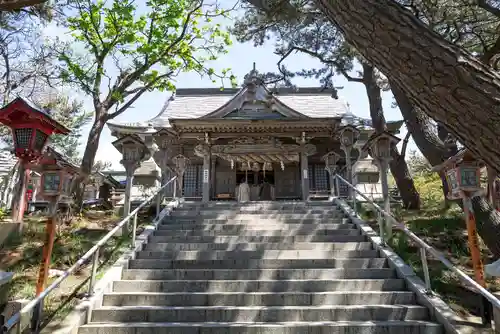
<point>198,102</point>
<point>191,103</point>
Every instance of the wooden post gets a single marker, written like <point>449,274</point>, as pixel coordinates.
<point>50,233</point>
<point>475,253</point>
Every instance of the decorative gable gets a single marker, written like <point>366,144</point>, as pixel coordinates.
<point>255,101</point>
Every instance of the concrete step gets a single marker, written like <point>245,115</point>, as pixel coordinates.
<point>256,274</point>
<point>250,226</point>
<point>258,233</point>
<point>259,263</point>
<point>259,313</point>
<point>262,239</point>
<point>311,285</point>
<point>253,221</point>
<point>259,298</point>
<point>253,246</point>
<point>249,254</point>
<point>335,327</point>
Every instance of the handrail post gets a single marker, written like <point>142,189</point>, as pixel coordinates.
<point>158,204</point>
<point>381,227</point>
<point>425,269</point>
<point>95,265</point>
<point>354,203</point>
<point>337,186</point>
<point>134,232</point>
<point>35,318</point>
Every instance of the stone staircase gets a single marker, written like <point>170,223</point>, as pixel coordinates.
<point>259,268</point>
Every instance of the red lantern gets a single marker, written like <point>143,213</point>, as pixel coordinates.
<point>31,127</point>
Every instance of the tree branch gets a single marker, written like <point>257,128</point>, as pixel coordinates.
<point>322,59</point>
<point>138,92</point>
<point>405,144</point>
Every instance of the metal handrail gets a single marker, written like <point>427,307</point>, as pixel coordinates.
<point>37,304</point>
<point>424,247</point>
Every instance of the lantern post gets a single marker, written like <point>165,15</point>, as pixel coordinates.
<point>462,173</point>
<point>31,128</point>
<point>180,165</point>
<point>349,135</point>
<point>57,177</point>
<point>380,145</point>
<point>133,151</point>
<point>331,159</point>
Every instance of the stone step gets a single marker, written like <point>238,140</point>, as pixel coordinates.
<point>250,226</point>
<point>257,233</point>
<point>254,215</point>
<point>252,246</point>
<point>262,239</point>
<point>335,327</point>
<point>259,313</point>
<point>257,210</point>
<point>259,298</point>
<point>256,274</point>
<point>255,254</point>
<point>272,208</point>
<point>250,221</point>
<point>311,285</point>
<point>259,263</point>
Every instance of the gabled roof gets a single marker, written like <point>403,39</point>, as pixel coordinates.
<point>31,113</point>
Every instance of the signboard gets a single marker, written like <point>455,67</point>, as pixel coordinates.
<point>205,176</point>
<point>306,174</point>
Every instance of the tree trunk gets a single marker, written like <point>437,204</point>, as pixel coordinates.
<point>434,150</point>
<point>399,168</point>
<point>89,156</point>
<point>443,80</point>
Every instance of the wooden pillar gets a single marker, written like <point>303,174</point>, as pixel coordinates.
<point>304,175</point>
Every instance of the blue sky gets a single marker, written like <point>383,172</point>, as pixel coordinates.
<point>240,59</point>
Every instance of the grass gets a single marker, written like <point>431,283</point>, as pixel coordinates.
<point>445,230</point>
<point>22,254</point>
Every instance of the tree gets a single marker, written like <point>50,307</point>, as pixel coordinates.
<point>320,39</point>
<point>132,50</point>
<point>25,60</point>
<point>440,78</point>
<point>72,115</point>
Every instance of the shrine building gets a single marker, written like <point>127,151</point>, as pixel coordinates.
<point>252,133</point>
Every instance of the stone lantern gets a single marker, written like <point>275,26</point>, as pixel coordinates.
<point>31,128</point>
<point>349,135</point>
<point>380,146</point>
<point>331,159</point>
<point>134,151</point>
